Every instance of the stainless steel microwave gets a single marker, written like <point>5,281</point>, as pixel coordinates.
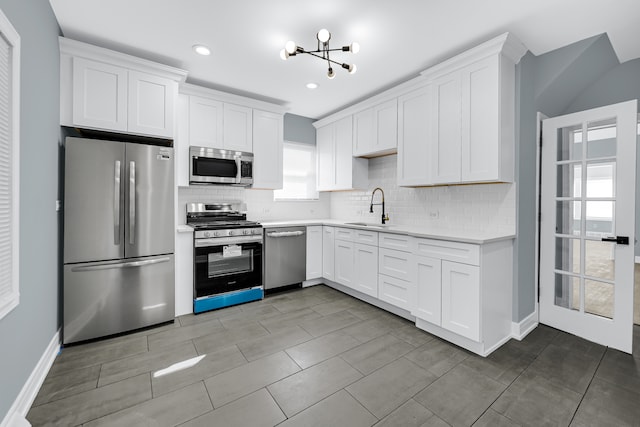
<point>214,166</point>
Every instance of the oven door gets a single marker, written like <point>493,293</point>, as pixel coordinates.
<point>216,170</point>
<point>226,268</point>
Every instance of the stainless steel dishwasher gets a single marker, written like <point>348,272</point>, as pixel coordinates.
<point>285,256</point>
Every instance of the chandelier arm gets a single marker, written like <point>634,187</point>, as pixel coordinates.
<point>326,59</point>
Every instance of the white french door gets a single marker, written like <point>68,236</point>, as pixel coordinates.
<point>587,224</point>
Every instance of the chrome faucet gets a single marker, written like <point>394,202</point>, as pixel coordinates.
<point>384,217</point>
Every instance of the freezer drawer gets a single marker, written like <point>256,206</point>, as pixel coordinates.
<point>105,298</point>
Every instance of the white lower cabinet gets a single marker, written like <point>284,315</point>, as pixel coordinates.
<point>344,265</point>
<point>395,279</point>
<point>398,292</point>
<point>428,289</point>
<point>184,273</point>
<point>366,267</point>
<point>314,252</point>
<point>328,260</point>
<point>461,299</point>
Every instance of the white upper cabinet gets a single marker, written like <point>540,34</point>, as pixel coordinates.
<point>267,149</point>
<point>472,114</point>
<point>237,128</point>
<point>337,168</point>
<point>413,138</point>
<point>107,90</point>
<point>99,95</point>
<point>151,104</point>
<point>205,118</point>
<point>375,130</point>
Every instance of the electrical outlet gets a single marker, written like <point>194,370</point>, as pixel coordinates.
<point>58,205</point>
<point>434,214</point>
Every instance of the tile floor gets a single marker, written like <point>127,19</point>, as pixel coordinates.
<point>317,357</point>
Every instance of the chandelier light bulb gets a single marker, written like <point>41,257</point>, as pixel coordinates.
<point>323,35</point>
<point>331,74</point>
<point>352,69</point>
<point>354,47</point>
<point>290,47</point>
<point>284,55</point>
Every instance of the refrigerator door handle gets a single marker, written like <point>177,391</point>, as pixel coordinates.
<point>116,204</point>
<point>132,202</point>
<point>131,264</point>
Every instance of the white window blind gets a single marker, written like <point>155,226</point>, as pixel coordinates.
<point>9,164</point>
<point>298,172</point>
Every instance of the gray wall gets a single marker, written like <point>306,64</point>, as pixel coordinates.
<point>299,129</point>
<point>27,330</point>
<point>577,77</point>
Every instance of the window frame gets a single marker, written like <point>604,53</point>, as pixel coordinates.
<point>11,301</point>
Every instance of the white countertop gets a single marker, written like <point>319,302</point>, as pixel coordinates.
<point>184,229</point>
<point>475,237</point>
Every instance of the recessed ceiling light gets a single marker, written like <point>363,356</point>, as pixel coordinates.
<point>201,49</point>
<point>311,85</point>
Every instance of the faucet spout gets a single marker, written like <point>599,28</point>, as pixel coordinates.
<point>384,217</point>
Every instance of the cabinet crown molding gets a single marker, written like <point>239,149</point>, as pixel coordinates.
<point>204,92</point>
<point>506,44</point>
<point>76,48</point>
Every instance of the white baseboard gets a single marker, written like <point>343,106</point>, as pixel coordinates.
<point>16,417</point>
<point>525,326</point>
<point>312,282</point>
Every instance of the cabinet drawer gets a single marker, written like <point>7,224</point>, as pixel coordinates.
<point>344,234</point>
<point>395,241</point>
<point>451,251</point>
<point>366,237</point>
<point>396,264</point>
<point>400,293</point>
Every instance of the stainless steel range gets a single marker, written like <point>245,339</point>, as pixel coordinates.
<point>227,253</point>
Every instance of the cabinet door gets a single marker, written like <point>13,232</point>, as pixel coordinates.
<point>445,128</point>
<point>428,289</point>
<point>205,122</point>
<point>480,150</point>
<point>366,269</point>
<point>386,127</point>
<point>184,273</point>
<point>414,138</point>
<point>151,104</point>
<point>99,95</point>
<point>267,150</point>
<point>344,154</point>
<point>363,132</point>
<point>314,252</point>
<point>461,299</point>
<point>398,292</point>
<point>328,259</point>
<point>344,263</point>
<point>237,128</point>
<point>325,150</point>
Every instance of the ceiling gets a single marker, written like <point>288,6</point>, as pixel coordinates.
<point>398,39</point>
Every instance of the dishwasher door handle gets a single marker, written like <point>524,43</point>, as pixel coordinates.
<point>285,233</point>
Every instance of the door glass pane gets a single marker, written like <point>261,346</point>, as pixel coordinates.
<point>568,254</point>
<point>601,139</point>
<point>570,143</point>
<point>600,179</point>
<point>598,298</point>
<point>568,217</point>
<point>569,180</point>
<point>599,259</point>
<point>567,292</point>
<point>600,218</point>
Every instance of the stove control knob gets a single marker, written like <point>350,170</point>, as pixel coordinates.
<point>207,234</point>
<point>231,233</point>
<point>247,231</point>
<point>216,233</point>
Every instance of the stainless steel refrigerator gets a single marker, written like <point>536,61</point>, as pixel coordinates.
<point>118,237</point>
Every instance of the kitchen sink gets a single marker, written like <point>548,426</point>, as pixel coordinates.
<point>368,224</point>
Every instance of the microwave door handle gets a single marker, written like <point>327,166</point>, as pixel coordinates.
<point>239,169</point>
<point>132,202</point>
<point>116,204</point>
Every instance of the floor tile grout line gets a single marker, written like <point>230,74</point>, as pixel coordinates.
<point>588,385</point>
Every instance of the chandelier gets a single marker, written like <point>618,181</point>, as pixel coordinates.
<point>322,52</point>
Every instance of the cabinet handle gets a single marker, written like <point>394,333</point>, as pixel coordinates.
<point>620,240</point>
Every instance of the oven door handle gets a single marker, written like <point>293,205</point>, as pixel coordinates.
<point>285,233</point>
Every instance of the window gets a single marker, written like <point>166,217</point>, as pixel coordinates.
<point>9,164</point>
<point>298,172</point>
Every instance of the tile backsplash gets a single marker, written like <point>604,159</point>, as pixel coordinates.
<point>478,207</point>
